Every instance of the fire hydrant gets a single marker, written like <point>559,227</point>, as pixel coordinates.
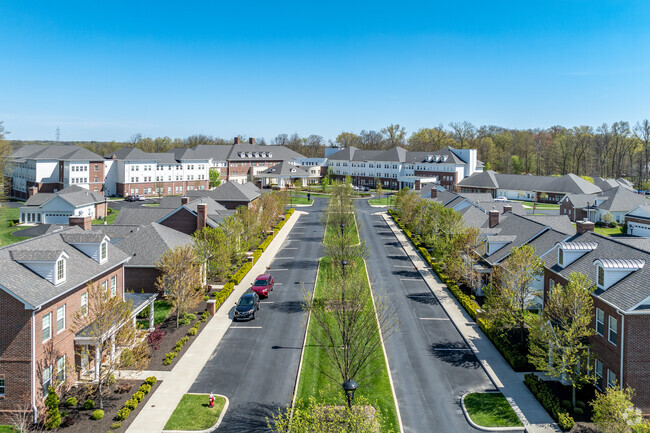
<point>211,400</point>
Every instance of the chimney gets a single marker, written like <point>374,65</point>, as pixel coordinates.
<point>251,141</point>
<point>507,208</point>
<point>185,200</point>
<point>236,140</point>
<point>584,226</point>
<point>434,192</point>
<point>201,215</point>
<point>83,222</point>
<point>32,191</point>
<point>493,218</point>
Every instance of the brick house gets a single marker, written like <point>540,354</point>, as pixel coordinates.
<point>638,221</point>
<point>42,286</point>
<point>618,268</point>
<point>231,195</point>
<point>615,202</point>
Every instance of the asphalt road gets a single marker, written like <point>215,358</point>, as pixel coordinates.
<point>256,363</point>
<point>430,363</point>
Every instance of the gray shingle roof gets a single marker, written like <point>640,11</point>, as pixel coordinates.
<point>626,293</point>
<point>148,243</point>
<point>621,199</point>
<point>116,232</point>
<point>481,179</point>
<point>34,290</point>
<point>212,151</point>
<point>396,154</point>
<point>581,200</point>
<point>141,215</point>
<point>74,194</point>
<point>517,207</point>
<point>283,169</point>
<point>473,217</point>
<point>68,152</point>
<point>35,255</point>
<point>560,223</point>
<point>569,183</point>
<point>38,230</point>
<point>230,191</point>
<point>92,237</point>
<point>135,154</point>
<point>278,153</point>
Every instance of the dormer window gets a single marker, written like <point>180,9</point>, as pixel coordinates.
<point>103,253</point>
<point>560,257</point>
<point>601,276</point>
<point>60,271</point>
<point>611,271</point>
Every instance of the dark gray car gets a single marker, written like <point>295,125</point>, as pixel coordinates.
<point>246,307</point>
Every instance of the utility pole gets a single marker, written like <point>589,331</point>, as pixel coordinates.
<point>58,135</point>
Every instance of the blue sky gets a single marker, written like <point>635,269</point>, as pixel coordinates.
<point>108,70</point>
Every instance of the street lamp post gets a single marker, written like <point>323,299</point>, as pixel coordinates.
<point>349,386</point>
<point>342,228</point>
<point>343,265</point>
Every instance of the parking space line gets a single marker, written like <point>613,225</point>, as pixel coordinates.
<point>266,302</point>
<point>289,248</point>
<point>404,266</point>
<point>434,318</point>
<point>411,279</point>
<point>276,258</point>
<point>277,284</point>
<point>453,348</point>
<point>245,327</point>
<point>276,270</point>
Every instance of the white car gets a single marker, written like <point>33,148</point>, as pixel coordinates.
<point>501,198</point>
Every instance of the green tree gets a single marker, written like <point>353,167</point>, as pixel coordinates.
<point>395,135</point>
<point>180,279</point>
<point>613,412</point>
<point>215,177</point>
<point>558,339</point>
<point>5,152</point>
<point>510,294</point>
<point>52,414</point>
<point>379,188</point>
<point>215,249</point>
<point>405,203</point>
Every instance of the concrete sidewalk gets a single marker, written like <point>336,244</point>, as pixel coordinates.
<point>509,382</point>
<point>177,382</point>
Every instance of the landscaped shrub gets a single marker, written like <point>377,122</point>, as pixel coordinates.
<point>169,357</point>
<point>98,414</point>
<point>241,273</point>
<point>52,414</point>
<point>116,425</point>
<point>187,319</point>
<point>126,358</point>
<point>145,388</point>
<point>155,337</point>
<point>122,414</point>
<point>138,396</point>
<point>131,404</point>
<point>151,380</point>
<point>89,404</point>
<point>578,411</point>
<point>256,255</point>
<point>581,404</point>
<point>192,331</point>
<point>264,245</point>
<point>70,401</point>
<point>205,316</point>
<point>566,404</point>
<point>550,402</point>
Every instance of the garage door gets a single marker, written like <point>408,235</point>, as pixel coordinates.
<point>56,218</point>
<point>638,229</point>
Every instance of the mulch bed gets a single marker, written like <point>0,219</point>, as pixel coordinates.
<point>113,401</point>
<point>172,335</point>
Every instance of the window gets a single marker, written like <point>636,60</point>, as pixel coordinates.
<point>104,286</point>
<point>84,303</point>
<point>60,318</point>
<point>103,251</point>
<point>47,327</point>
<point>598,373</point>
<point>601,276</point>
<point>47,379</point>
<point>60,370</point>
<point>96,167</point>
<point>611,378</point>
<point>613,330</point>
<point>560,258</point>
<point>2,386</point>
<point>600,321</point>
<point>113,285</point>
<point>60,270</point>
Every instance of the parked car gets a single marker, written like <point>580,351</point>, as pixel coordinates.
<point>131,198</point>
<point>141,198</point>
<point>246,307</point>
<point>263,285</point>
<point>501,198</point>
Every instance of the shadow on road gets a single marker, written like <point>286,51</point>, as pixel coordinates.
<point>423,298</point>
<point>401,258</point>
<point>248,417</point>
<point>288,307</point>
<point>456,354</point>
<point>407,274</point>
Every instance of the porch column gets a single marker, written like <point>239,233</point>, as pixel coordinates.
<point>151,327</point>
<point>98,361</point>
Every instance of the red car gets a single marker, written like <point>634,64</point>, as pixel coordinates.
<point>263,285</point>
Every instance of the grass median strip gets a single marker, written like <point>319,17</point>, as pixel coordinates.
<point>491,409</point>
<point>193,413</point>
<point>374,382</point>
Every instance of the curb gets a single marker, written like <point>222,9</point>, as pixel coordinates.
<point>214,427</point>
<point>480,427</point>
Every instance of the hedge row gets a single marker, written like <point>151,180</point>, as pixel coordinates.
<point>511,354</point>
<point>550,402</point>
<point>135,399</point>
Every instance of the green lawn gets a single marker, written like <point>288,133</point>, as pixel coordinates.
<point>298,199</point>
<point>110,218</point>
<point>608,231</point>
<point>193,413</point>
<point>330,228</point>
<point>7,215</point>
<point>6,429</point>
<point>374,385</point>
<point>491,410</point>
<point>161,309</point>
<point>384,201</point>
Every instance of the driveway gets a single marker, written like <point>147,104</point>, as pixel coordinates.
<point>256,363</point>
<point>430,363</point>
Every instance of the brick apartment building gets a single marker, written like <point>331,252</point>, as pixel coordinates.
<point>42,286</point>
<point>619,269</point>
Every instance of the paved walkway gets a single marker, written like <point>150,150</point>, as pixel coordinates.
<point>178,381</point>
<point>509,382</point>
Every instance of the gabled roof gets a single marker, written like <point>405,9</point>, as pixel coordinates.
<point>569,183</point>
<point>240,152</point>
<point>517,207</point>
<point>74,194</point>
<point>560,223</point>
<point>581,200</point>
<point>641,211</point>
<point>476,197</point>
<point>68,152</point>
<point>473,216</point>
<point>230,191</point>
<point>35,290</point>
<point>283,169</point>
<point>147,243</point>
<point>621,199</point>
<point>141,215</point>
<point>131,154</point>
<point>215,152</point>
<point>628,292</point>
<point>481,179</point>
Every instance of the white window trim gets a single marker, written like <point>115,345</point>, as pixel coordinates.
<point>609,381</point>
<point>57,319</point>
<point>603,322</point>
<point>113,285</point>
<point>49,382</point>
<point>84,295</point>
<point>609,329</point>
<point>598,377</point>
<point>49,316</point>
<point>59,381</point>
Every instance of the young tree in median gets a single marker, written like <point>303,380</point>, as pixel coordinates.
<point>613,412</point>
<point>510,294</point>
<point>215,178</point>
<point>108,323</point>
<point>558,340</point>
<point>379,188</point>
<point>213,247</point>
<point>181,279</point>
